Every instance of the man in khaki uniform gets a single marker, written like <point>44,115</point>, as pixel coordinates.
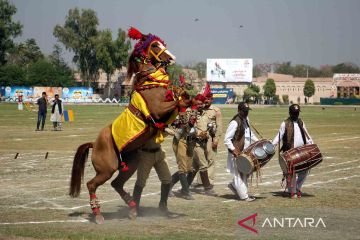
<point>209,124</point>
<point>183,146</point>
<point>151,155</point>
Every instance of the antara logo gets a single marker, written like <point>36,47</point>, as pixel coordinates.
<point>294,222</point>
<point>288,222</point>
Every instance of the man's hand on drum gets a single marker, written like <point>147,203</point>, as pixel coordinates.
<point>236,152</point>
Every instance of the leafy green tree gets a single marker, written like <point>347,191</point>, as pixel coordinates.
<point>249,94</point>
<point>346,68</point>
<point>111,54</point>
<point>326,71</point>
<point>309,88</point>
<point>79,34</point>
<point>12,75</point>
<point>256,71</point>
<point>42,73</point>
<point>200,67</point>
<point>8,29</point>
<point>269,88</point>
<point>284,68</point>
<point>25,53</point>
<point>174,72</point>
<point>302,70</point>
<point>64,74</point>
<point>252,92</point>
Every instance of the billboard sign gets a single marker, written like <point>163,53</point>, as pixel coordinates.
<point>229,70</point>
<point>223,95</point>
<point>50,91</point>
<point>77,94</point>
<point>12,93</point>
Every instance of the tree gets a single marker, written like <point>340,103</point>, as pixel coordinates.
<point>252,91</point>
<point>111,54</point>
<point>79,35</point>
<point>8,29</point>
<point>200,67</point>
<point>64,74</point>
<point>42,73</point>
<point>174,72</point>
<point>346,68</point>
<point>284,68</point>
<point>25,53</point>
<point>309,88</point>
<point>269,88</point>
<point>12,75</point>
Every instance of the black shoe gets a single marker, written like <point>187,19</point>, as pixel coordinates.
<point>164,211</point>
<point>210,192</point>
<point>37,129</point>
<point>186,195</point>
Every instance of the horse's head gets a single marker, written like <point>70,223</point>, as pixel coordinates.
<point>149,51</point>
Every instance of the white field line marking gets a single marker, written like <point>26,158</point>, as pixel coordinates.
<point>330,181</point>
<point>42,222</point>
<point>277,181</point>
<point>342,139</point>
<point>73,208</point>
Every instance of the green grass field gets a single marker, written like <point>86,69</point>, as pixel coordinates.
<point>34,201</point>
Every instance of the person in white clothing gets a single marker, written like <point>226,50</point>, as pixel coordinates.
<point>294,134</point>
<point>237,138</point>
<point>57,109</point>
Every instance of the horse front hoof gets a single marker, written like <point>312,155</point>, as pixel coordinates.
<point>99,219</point>
<point>133,213</point>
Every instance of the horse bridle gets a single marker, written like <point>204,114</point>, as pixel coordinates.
<point>157,56</point>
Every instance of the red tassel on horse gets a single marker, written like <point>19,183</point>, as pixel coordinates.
<point>135,34</point>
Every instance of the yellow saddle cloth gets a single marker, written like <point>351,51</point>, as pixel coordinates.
<point>127,127</point>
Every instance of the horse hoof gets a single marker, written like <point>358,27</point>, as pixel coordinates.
<point>133,213</point>
<point>99,219</point>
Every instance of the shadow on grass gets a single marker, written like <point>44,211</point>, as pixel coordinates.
<point>234,197</point>
<point>287,195</point>
<point>123,214</point>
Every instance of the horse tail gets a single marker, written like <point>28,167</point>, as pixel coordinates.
<point>77,173</point>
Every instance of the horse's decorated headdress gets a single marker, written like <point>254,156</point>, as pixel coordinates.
<point>144,42</point>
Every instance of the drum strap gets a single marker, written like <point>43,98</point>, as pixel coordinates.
<point>255,130</point>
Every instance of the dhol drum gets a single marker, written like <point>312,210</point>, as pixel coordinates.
<point>255,156</point>
<point>299,159</point>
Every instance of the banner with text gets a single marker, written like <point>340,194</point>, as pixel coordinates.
<point>229,70</point>
<point>223,95</point>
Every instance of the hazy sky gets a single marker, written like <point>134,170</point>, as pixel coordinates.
<point>311,32</point>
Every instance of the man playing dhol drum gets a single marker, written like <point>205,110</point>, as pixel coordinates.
<point>237,138</point>
<point>293,133</point>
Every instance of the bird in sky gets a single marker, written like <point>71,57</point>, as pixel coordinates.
<point>196,19</point>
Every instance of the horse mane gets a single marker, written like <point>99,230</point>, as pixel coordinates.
<point>132,68</point>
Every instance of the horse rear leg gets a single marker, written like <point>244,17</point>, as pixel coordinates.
<point>92,185</point>
<point>118,185</point>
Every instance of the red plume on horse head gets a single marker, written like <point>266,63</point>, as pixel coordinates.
<point>135,34</point>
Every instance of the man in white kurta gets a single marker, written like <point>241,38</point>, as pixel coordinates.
<point>239,185</point>
<point>300,138</point>
<point>57,109</point>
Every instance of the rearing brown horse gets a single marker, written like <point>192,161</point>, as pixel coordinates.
<point>162,100</point>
